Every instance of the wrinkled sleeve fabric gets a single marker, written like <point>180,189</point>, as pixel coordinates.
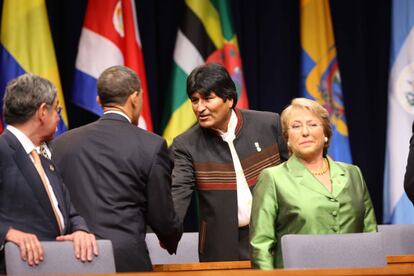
<point>77,223</point>
<point>161,215</point>
<point>370,222</point>
<point>183,178</point>
<point>262,226</point>
<point>409,171</point>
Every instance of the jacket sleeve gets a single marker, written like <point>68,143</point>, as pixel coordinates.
<point>161,215</point>
<point>76,222</point>
<point>409,171</point>
<point>370,222</point>
<point>183,178</point>
<point>262,225</point>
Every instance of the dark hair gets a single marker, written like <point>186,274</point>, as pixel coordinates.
<point>24,95</point>
<point>212,77</point>
<point>116,84</point>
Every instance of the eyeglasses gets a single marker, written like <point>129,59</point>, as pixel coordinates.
<point>58,109</point>
<point>309,126</point>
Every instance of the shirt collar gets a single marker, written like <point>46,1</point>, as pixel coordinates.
<point>230,135</point>
<point>23,139</point>
<point>119,113</point>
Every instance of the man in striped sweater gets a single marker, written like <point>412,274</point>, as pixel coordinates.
<point>221,158</point>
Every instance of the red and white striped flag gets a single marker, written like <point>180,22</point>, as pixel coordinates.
<point>110,36</point>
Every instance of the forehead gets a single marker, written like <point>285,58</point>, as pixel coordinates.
<point>303,115</point>
<point>199,94</point>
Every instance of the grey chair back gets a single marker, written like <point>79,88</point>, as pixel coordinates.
<point>336,250</point>
<point>59,258</point>
<point>398,239</point>
<point>187,250</point>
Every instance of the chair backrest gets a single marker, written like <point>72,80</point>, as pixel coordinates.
<point>398,239</point>
<point>336,250</point>
<point>59,258</point>
<point>187,250</point>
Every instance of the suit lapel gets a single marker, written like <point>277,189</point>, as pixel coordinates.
<point>29,172</point>
<point>338,177</point>
<point>304,177</point>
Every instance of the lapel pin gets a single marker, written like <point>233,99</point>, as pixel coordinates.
<point>51,167</point>
<point>258,148</point>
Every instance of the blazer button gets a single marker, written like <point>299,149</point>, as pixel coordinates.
<point>334,213</point>
<point>335,228</point>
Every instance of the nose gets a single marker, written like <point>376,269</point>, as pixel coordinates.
<point>201,106</point>
<point>305,130</point>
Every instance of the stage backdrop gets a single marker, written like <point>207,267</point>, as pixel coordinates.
<point>268,36</point>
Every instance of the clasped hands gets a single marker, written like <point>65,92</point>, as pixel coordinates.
<point>31,250</point>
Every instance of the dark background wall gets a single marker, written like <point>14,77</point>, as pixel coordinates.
<point>268,33</point>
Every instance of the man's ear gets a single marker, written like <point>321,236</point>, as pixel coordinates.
<point>42,111</point>
<point>134,96</point>
<point>98,100</point>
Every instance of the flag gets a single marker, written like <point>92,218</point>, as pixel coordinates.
<point>320,78</point>
<point>205,35</point>
<point>26,46</point>
<point>397,207</point>
<point>110,36</point>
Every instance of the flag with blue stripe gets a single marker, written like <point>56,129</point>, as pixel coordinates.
<point>26,46</point>
<point>320,78</point>
<point>397,207</point>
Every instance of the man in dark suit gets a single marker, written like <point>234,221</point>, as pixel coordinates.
<point>34,204</point>
<point>119,175</point>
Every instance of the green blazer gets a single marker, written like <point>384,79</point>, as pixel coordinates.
<point>288,199</point>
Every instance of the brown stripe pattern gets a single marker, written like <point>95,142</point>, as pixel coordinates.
<point>219,176</point>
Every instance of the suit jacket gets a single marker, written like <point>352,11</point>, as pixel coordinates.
<point>288,199</point>
<point>409,171</point>
<point>24,203</point>
<point>119,177</point>
<point>203,162</point>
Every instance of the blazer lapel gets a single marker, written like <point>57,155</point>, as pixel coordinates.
<point>304,177</point>
<point>338,177</point>
<point>31,175</point>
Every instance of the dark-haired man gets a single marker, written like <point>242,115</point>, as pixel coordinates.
<point>34,204</point>
<point>119,175</point>
<point>221,158</point>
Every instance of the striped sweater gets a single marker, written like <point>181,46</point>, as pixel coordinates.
<point>202,162</point>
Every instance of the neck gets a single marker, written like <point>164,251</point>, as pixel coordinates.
<point>313,164</point>
<point>31,132</point>
<point>223,128</point>
<point>118,108</point>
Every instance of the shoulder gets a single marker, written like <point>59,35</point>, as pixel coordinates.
<point>349,170</point>
<point>276,171</point>
<point>259,115</point>
<point>347,167</point>
<point>192,134</point>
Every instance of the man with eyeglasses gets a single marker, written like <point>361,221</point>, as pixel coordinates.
<point>34,204</point>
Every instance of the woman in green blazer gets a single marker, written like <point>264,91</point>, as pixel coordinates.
<point>308,194</point>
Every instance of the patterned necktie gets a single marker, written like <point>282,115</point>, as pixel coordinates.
<point>42,174</point>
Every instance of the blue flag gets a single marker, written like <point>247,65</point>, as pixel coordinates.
<point>397,207</point>
<point>320,72</point>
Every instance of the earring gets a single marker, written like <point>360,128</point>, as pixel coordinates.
<point>326,139</point>
<point>288,144</point>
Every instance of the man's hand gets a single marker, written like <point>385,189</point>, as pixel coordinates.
<point>31,250</point>
<point>84,245</point>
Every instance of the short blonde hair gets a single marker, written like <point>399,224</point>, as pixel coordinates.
<point>316,109</point>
